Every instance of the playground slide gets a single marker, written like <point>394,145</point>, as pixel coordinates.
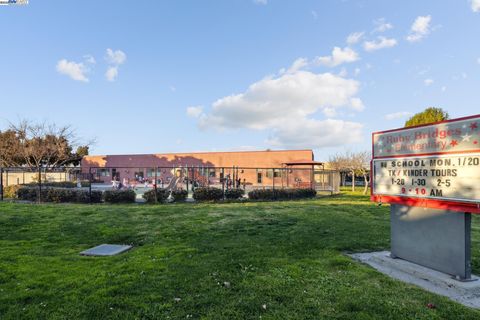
<point>173,183</point>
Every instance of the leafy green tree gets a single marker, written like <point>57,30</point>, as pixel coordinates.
<point>427,116</point>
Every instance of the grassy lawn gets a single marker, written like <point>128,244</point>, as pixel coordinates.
<point>280,260</point>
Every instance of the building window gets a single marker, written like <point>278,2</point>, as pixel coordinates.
<point>259,177</point>
<point>269,173</point>
<point>212,174</point>
<point>277,173</point>
<point>151,172</point>
<point>103,172</point>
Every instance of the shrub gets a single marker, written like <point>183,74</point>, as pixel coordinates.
<point>58,195</point>
<point>27,193</point>
<point>119,196</point>
<point>11,191</point>
<point>83,196</point>
<point>208,194</point>
<point>281,194</point>
<point>179,195</point>
<point>234,194</point>
<point>307,193</point>
<point>162,195</point>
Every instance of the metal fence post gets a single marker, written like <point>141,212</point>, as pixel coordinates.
<point>186,168</point>
<point>90,184</point>
<point>273,179</point>
<point>312,177</point>
<point>208,177</point>
<point>155,184</point>
<point>39,184</point>
<point>1,184</point>
<point>223,183</point>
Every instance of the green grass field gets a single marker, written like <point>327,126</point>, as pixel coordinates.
<point>270,260</point>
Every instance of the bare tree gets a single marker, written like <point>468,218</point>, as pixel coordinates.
<point>361,163</point>
<point>40,145</point>
<point>356,164</point>
<point>9,149</point>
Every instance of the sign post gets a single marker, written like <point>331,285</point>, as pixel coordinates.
<point>430,175</point>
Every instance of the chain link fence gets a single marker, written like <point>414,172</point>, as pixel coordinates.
<point>143,179</point>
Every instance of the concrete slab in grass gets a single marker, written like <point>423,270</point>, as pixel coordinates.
<point>466,293</point>
<point>105,250</point>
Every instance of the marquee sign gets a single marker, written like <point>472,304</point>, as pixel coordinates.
<point>435,166</point>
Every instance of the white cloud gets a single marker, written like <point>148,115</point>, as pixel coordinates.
<point>112,73</point>
<point>357,104</point>
<point>262,2</point>
<point>380,43</point>
<point>76,71</point>
<point>356,71</point>
<point>297,65</point>
<point>339,56</point>
<point>381,25</point>
<point>343,73</point>
<point>312,133</point>
<point>117,57</point>
<point>355,37</point>
<point>398,115</point>
<point>329,112</point>
<point>444,88</point>
<point>420,28</point>
<point>286,105</point>
<point>428,82</point>
<point>314,14</point>
<point>89,59</point>
<point>172,88</point>
<point>475,5</point>
<point>194,112</point>
<point>478,60</point>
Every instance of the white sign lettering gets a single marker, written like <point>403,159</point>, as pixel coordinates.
<point>443,177</point>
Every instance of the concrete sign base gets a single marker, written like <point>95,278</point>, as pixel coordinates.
<point>466,293</point>
<point>433,238</point>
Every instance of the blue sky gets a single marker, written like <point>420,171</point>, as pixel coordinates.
<point>172,76</point>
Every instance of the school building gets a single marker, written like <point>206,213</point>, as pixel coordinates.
<point>284,168</point>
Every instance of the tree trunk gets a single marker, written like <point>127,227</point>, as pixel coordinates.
<point>366,184</point>
<point>353,181</point>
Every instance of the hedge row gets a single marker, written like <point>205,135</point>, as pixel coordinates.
<point>282,194</point>
<point>61,195</point>
<point>163,194</point>
<point>58,195</point>
<point>207,194</point>
<point>179,195</point>
<point>119,196</point>
<point>234,194</point>
<point>216,194</point>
